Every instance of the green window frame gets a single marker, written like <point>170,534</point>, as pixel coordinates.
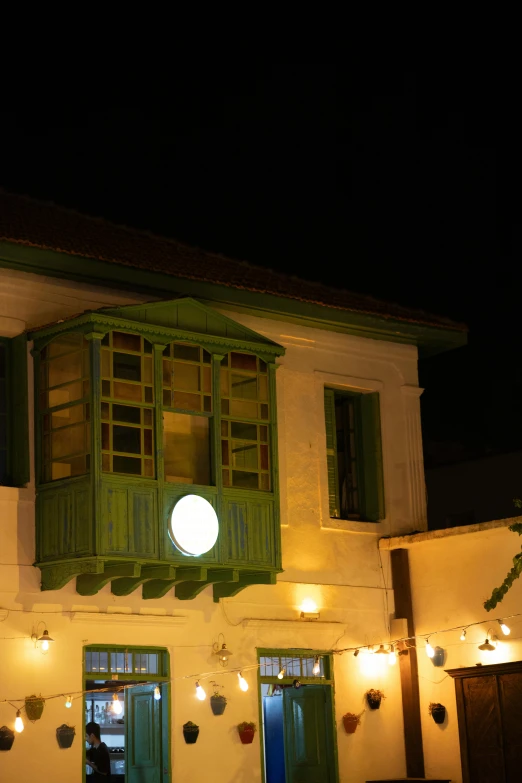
<point>146,394</point>
<point>354,455</point>
<point>125,663</point>
<point>14,419</point>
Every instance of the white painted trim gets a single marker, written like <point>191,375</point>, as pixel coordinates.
<point>123,618</point>
<point>294,625</point>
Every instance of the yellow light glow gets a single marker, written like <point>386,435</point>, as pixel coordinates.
<point>116,705</point>
<point>317,668</point>
<point>308,605</point>
<point>281,674</point>
<point>200,693</point>
<point>430,652</point>
<point>68,702</point>
<point>392,659</point>
<point>45,645</point>
<point>19,724</point>
<point>506,630</point>
<point>243,684</point>
<point>157,693</point>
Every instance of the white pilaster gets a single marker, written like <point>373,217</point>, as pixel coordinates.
<point>416,483</point>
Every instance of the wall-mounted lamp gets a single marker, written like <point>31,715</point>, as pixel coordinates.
<point>43,639</point>
<point>487,646</point>
<point>309,610</point>
<point>221,650</point>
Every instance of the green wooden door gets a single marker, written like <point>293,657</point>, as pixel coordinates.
<point>143,735</point>
<point>309,752</point>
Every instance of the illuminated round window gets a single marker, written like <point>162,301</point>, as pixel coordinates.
<point>193,525</point>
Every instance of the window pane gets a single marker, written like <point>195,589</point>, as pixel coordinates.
<point>65,416</point>
<point>241,429</point>
<point>65,394</point>
<point>69,440</point>
<point>126,413</point>
<point>105,364</point>
<point>127,342</point>
<point>244,454</point>
<point>65,369</point>
<point>129,465</point>
<point>186,401</point>
<point>126,366</point>
<point>186,448</point>
<point>66,343</point>
<point>246,480</point>
<point>127,391</point>
<point>247,410</point>
<point>186,377</point>
<point>243,361</point>
<point>187,352</point>
<point>126,439</point>
<point>244,386</point>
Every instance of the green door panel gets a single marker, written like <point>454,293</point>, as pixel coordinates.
<point>143,736</point>
<point>309,752</point>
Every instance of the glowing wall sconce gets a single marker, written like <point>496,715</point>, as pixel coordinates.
<point>309,610</point>
<point>42,639</point>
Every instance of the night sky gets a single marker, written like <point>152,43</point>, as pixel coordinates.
<point>403,185</point>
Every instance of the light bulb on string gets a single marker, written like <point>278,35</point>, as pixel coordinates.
<point>200,693</point>
<point>157,693</point>
<point>392,660</point>
<point>19,724</point>
<point>281,674</point>
<point>317,667</point>
<point>356,653</point>
<point>430,652</point>
<point>243,684</point>
<point>68,702</point>
<point>506,630</point>
<point>463,635</point>
<point>116,705</point>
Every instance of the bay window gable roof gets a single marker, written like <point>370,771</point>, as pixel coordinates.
<point>181,318</point>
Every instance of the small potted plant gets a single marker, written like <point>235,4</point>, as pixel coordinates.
<point>218,702</point>
<point>351,721</point>
<point>374,698</point>
<point>246,732</point>
<point>65,735</point>
<point>34,707</point>
<point>437,711</point>
<point>190,732</point>
<point>7,737</point>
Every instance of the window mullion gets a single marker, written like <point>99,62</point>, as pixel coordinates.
<point>215,456</point>
<point>94,339</point>
<point>158,407</point>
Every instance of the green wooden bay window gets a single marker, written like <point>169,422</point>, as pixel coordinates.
<point>138,407</point>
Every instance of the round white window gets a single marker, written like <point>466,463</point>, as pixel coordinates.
<point>193,525</point>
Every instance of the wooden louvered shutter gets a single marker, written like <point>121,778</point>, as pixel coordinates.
<point>331,452</point>
<point>372,470</point>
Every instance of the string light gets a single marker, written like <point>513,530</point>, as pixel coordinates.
<point>116,705</point>
<point>392,660</point>
<point>317,667</point>
<point>68,702</point>
<point>243,684</point>
<point>430,652</point>
<point>356,653</point>
<point>463,635</point>
<point>281,674</point>
<point>200,693</point>
<point>157,693</point>
<point>19,724</point>
<point>506,630</point>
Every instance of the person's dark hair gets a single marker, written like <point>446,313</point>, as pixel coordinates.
<point>93,728</point>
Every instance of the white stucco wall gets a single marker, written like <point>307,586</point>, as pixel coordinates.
<point>452,573</point>
<point>334,562</point>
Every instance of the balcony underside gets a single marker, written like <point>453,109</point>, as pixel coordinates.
<point>125,576</point>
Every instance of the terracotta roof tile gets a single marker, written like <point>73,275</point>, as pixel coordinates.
<point>25,221</point>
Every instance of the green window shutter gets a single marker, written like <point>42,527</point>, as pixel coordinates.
<point>18,458</point>
<point>331,452</point>
<point>372,457</point>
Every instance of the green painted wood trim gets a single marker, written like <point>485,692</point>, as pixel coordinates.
<point>430,339</point>
<point>229,589</point>
<point>18,412</point>
<point>163,335</point>
<point>127,585</point>
<point>274,459</point>
<point>96,533</point>
<point>157,588</point>
<point>371,443</point>
<point>328,682</point>
<point>90,584</point>
<point>331,453</point>
<point>185,591</point>
<point>166,731</point>
<point>57,575</point>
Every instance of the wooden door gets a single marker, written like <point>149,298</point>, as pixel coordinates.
<point>143,736</point>
<point>490,722</point>
<point>510,693</point>
<point>484,730</point>
<point>309,752</point>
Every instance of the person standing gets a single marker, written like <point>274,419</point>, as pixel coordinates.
<point>97,756</point>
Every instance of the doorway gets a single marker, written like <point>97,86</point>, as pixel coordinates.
<point>297,717</point>
<point>128,694</point>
